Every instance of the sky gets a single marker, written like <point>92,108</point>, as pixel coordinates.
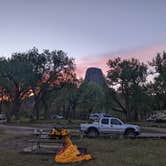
<point>91,31</point>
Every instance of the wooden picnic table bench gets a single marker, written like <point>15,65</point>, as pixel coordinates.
<point>44,136</point>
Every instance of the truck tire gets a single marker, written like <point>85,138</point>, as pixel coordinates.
<point>130,133</point>
<point>92,133</point>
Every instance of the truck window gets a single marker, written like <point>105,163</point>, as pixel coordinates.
<point>105,121</point>
<point>115,122</point>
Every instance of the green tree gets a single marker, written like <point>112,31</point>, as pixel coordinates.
<point>50,68</point>
<point>158,87</point>
<point>91,97</point>
<point>66,100</point>
<point>128,77</point>
<point>15,77</point>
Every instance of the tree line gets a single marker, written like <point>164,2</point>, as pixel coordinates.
<point>48,79</point>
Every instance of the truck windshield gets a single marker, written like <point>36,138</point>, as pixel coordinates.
<point>115,122</point>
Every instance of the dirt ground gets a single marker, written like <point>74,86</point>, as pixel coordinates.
<point>106,151</point>
<point>15,137</point>
<point>15,143</point>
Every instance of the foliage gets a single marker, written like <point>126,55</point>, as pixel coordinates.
<point>15,78</point>
<point>65,100</point>
<point>49,78</point>
<point>37,74</point>
<point>51,68</point>
<point>158,88</point>
<point>73,101</point>
<point>91,98</point>
<point>128,77</point>
<point>114,152</point>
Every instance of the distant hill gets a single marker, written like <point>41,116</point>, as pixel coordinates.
<point>95,75</point>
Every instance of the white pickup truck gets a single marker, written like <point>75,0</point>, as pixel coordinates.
<point>109,125</point>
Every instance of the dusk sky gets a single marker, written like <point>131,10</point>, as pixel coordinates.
<point>91,31</point>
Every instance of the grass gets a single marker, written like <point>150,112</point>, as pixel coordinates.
<point>12,158</point>
<point>5,137</point>
<point>124,152</point>
<point>106,152</point>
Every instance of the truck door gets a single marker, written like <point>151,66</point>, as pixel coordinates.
<point>116,126</point>
<point>105,125</point>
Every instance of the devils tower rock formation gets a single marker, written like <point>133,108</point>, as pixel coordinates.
<point>95,75</point>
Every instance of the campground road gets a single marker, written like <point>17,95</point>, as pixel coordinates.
<point>26,130</point>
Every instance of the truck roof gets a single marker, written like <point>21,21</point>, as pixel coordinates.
<point>108,116</point>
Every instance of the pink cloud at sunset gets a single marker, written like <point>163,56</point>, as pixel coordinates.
<point>143,54</point>
<point>87,62</point>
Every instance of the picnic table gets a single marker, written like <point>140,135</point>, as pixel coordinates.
<point>44,142</point>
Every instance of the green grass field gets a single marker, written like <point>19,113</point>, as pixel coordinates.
<point>106,152</point>
<point>5,137</point>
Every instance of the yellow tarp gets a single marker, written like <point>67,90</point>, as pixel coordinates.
<point>71,154</point>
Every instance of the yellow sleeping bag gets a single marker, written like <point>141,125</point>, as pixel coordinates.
<point>69,153</point>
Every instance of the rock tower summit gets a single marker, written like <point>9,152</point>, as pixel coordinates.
<point>95,75</point>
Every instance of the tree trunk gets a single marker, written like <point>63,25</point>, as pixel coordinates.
<point>68,112</point>
<point>72,105</point>
<point>16,108</point>
<point>36,110</point>
<point>64,111</point>
<point>0,107</point>
<point>164,103</point>
<point>136,115</point>
<point>128,109</point>
<point>74,111</point>
<point>128,116</point>
<point>45,109</point>
<point>36,107</point>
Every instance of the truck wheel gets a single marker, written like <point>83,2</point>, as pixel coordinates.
<point>92,133</point>
<point>130,133</point>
